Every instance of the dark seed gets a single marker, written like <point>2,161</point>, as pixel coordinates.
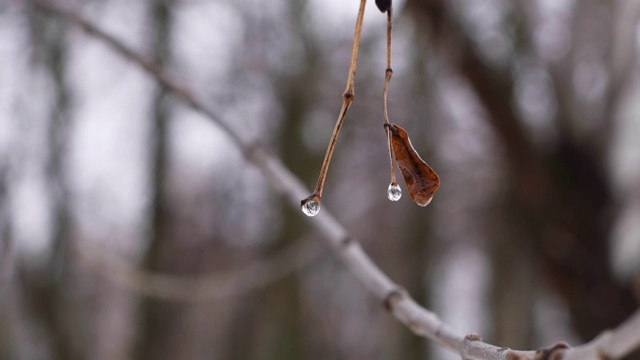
<point>383,5</point>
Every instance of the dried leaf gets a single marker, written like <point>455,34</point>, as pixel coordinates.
<point>422,181</point>
<point>383,5</point>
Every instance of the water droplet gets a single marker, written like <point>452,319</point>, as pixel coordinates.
<point>394,192</point>
<point>311,205</point>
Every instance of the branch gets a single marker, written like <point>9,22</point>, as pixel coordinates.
<point>205,287</point>
<point>397,301</point>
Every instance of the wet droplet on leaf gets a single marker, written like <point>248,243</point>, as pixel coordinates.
<point>422,181</point>
<point>426,202</point>
<point>311,205</point>
<point>394,193</point>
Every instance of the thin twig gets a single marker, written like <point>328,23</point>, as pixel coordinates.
<point>385,91</point>
<point>347,99</point>
<point>612,345</point>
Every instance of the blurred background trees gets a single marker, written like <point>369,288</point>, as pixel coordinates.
<point>528,110</point>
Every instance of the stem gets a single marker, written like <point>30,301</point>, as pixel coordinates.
<point>388,73</point>
<point>347,99</point>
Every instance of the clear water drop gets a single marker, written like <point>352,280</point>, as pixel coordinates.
<point>311,206</point>
<point>394,193</point>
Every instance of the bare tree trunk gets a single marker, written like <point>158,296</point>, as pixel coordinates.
<point>8,319</point>
<point>157,319</point>
<point>49,285</point>
<point>512,290</point>
<point>419,245</point>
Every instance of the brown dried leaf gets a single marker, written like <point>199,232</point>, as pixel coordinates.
<point>422,181</point>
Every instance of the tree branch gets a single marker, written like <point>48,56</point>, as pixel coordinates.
<point>204,287</point>
<point>422,322</point>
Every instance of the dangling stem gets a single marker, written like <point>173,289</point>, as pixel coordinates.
<point>347,99</point>
<point>387,79</point>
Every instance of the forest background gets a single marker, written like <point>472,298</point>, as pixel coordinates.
<point>114,193</point>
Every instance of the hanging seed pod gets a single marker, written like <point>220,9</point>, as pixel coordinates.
<point>422,181</point>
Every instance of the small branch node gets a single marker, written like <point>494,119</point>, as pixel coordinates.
<point>553,353</point>
<point>473,337</point>
<point>253,150</point>
<point>392,298</point>
<point>439,330</point>
<point>415,328</point>
<point>603,356</point>
<point>515,356</point>
<point>347,241</point>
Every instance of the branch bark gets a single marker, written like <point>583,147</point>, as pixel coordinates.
<point>422,322</point>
